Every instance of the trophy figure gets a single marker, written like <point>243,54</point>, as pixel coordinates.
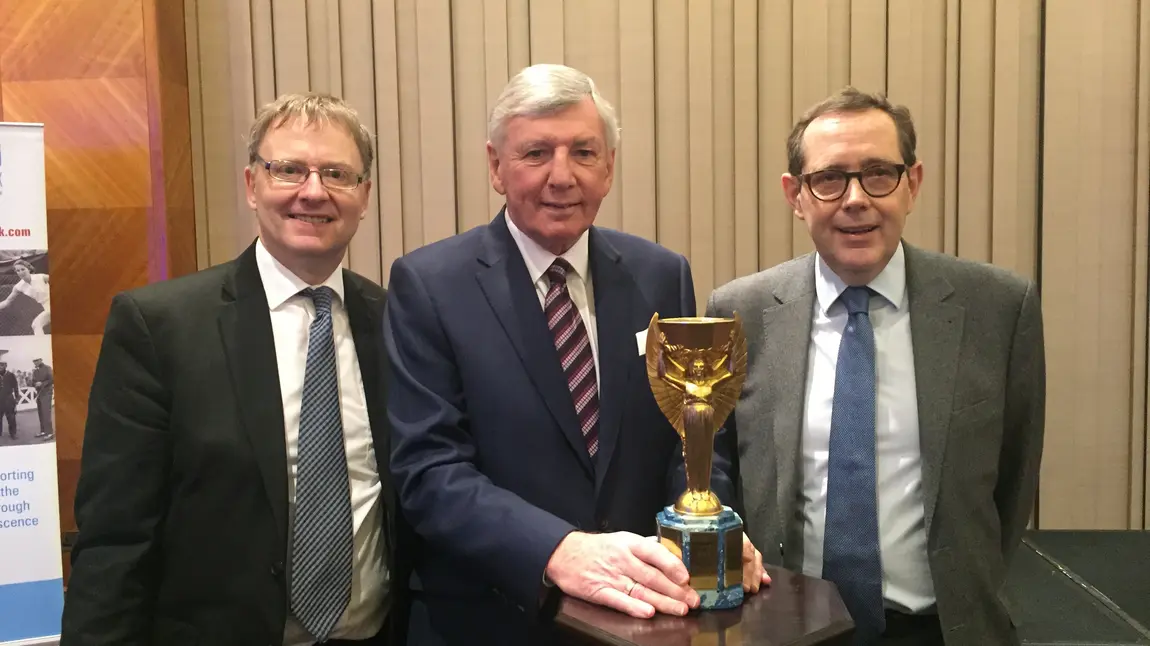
<point>696,367</point>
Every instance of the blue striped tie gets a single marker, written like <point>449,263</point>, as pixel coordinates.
<point>321,538</point>
<point>851,557</point>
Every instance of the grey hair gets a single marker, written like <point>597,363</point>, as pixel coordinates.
<point>546,89</point>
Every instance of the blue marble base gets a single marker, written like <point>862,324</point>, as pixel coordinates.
<point>712,549</point>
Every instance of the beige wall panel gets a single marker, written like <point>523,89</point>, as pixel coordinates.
<point>357,78</point>
<point>323,46</point>
<point>196,128</point>
<point>591,44</point>
<point>636,167</point>
<point>289,24</point>
<point>672,162</point>
<point>1014,238</point>
<point>745,129</point>
<point>868,44</point>
<point>547,31</point>
<point>976,171</point>
<point>518,36</point>
<point>389,188</point>
<point>917,79</point>
<point>410,145</point>
<point>950,164</point>
<point>1088,266</point>
<point>701,150</point>
<point>470,80</point>
<point>1140,446</point>
<point>723,132</point>
<point>495,58</point>
<point>776,97</point>
<point>436,111</point>
<point>263,52</point>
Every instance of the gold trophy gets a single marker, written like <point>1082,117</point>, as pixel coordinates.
<point>696,367</point>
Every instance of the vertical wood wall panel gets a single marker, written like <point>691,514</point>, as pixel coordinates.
<point>635,172</point>
<point>706,93</point>
<point>1088,265</point>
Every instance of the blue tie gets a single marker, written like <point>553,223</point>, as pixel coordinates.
<point>321,536</point>
<point>851,557</point>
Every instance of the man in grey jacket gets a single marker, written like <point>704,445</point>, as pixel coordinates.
<point>889,433</point>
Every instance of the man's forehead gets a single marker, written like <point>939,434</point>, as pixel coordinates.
<point>869,134</point>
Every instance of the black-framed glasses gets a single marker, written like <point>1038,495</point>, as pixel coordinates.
<point>878,180</point>
<point>294,172</point>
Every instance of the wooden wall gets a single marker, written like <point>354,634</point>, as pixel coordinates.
<point>108,78</point>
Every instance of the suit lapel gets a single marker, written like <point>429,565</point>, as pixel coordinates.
<point>246,331</point>
<point>786,343</point>
<point>512,296</point>
<point>936,333</point>
<point>619,314</point>
<point>364,316</point>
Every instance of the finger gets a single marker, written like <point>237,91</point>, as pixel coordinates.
<point>659,602</point>
<point>748,549</point>
<point>656,581</point>
<point>617,600</point>
<point>658,556</point>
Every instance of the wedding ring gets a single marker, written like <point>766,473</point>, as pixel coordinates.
<point>631,587</point>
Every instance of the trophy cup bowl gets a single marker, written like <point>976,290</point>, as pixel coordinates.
<point>696,367</point>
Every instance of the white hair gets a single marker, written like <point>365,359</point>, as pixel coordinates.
<point>545,89</point>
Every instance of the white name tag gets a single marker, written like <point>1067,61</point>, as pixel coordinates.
<point>641,339</point>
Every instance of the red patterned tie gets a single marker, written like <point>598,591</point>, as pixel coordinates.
<point>574,347</point>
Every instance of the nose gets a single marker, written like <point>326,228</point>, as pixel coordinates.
<point>312,188</point>
<point>855,198</point>
<point>561,176</point>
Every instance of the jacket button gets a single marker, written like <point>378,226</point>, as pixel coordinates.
<point>277,569</point>
<point>604,525</point>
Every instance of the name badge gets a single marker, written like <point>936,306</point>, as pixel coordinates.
<point>641,339</point>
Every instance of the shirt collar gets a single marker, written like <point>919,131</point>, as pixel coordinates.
<point>280,284</point>
<point>538,259</point>
<point>890,283</point>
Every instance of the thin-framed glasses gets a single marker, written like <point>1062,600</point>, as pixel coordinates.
<point>294,172</point>
<point>878,180</point>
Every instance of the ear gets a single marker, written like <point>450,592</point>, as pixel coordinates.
<point>792,188</point>
<point>610,169</point>
<point>914,181</point>
<point>493,169</point>
<point>249,184</point>
<point>366,188</point>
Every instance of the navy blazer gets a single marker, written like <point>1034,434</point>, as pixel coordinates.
<point>487,454</point>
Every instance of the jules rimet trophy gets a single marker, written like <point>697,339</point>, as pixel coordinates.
<point>696,367</point>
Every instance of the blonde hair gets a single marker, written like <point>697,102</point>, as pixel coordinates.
<point>311,108</point>
<point>545,89</point>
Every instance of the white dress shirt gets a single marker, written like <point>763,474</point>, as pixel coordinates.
<point>907,584</point>
<point>291,315</point>
<point>539,260</point>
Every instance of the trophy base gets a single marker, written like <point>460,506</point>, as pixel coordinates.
<point>712,549</point>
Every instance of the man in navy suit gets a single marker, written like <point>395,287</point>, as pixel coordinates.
<point>529,453</point>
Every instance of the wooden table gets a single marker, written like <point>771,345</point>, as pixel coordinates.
<point>795,610</point>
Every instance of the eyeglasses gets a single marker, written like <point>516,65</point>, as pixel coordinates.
<point>878,180</point>
<point>294,172</point>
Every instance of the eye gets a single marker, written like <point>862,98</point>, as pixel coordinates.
<point>289,169</point>
<point>533,154</point>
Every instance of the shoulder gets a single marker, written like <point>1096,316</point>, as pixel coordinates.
<point>791,274</point>
<point>185,293</point>
<point>366,286</point>
<point>448,255</point>
<point>978,281</point>
<point>632,246</point>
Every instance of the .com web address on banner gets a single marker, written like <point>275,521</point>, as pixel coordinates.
<point>15,233</point>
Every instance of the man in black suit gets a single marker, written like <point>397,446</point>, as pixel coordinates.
<point>233,486</point>
<point>9,395</point>
<point>42,382</point>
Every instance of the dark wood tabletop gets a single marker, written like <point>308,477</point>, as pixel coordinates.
<point>795,610</point>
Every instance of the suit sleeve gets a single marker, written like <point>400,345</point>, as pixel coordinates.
<point>1024,425</point>
<point>122,492</point>
<point>448,501</point>
<point>725,467</point>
